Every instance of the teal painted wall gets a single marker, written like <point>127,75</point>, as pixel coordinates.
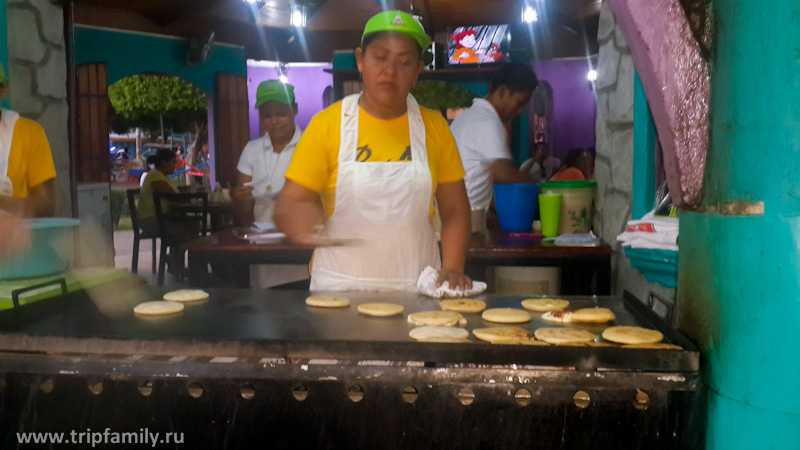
<point>133,53</point>
<point>738,284</point>
<point>644,153</point>
<point>4,41</point>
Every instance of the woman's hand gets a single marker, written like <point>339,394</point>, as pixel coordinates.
<point>14,236</point>
<point>455,279</point>
<point>298,212</point>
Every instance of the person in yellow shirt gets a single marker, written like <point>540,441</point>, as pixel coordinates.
<point>370,166</point>
<point>27,171</point>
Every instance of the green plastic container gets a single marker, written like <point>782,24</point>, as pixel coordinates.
<point>577,204</point>
<point>657,266</point>
<point>51,250</point>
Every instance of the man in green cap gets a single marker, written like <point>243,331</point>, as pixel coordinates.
<point>261,168</point>
<point>264,160</point>
<point>27,172</point>
<point>369,167</point>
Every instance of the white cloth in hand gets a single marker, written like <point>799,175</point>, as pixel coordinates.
<point>426,284</point>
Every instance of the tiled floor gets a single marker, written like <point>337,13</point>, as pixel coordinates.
<point>123,250</point>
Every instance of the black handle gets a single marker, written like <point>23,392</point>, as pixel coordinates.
<point>651,303</point>
<point>16,293</point>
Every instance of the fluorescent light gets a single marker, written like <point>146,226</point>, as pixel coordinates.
<point>591,76</point>
<point>529,15</point>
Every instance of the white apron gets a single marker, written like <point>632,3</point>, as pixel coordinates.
<point>7,123</point>
<point>385,206</point>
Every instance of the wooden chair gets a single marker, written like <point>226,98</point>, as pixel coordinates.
<point>138,234</point>
<point>177,229</point>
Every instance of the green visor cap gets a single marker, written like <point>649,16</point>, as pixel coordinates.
<point>2,74</point>
<point>397,22</point>
<point>274,91</point>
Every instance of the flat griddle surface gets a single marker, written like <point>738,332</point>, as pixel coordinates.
<point>275,323</point>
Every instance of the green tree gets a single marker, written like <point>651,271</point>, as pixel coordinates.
<point>157,102</point>
<point>143,101</point>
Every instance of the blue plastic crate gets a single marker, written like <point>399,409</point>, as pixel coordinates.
<point>657,266</point>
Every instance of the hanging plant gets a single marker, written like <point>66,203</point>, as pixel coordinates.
<point>441,96</point>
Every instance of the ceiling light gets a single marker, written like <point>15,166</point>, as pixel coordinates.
<point>529,14</point>
<point>298,18</point>
<point>591,76</point>
<point>282,69</point>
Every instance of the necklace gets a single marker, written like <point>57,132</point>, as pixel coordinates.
<point>266,165</point>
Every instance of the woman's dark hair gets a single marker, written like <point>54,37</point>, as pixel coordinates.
<point>372,37</point>
<point>161,156</point>
<point>517,77</point>
<point>573,155</point>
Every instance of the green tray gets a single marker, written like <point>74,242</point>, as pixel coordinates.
<point>75,280</point>
<point>657,266</point>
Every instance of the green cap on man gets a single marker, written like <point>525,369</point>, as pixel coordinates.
<point>2,74</point>
<point>274,91</point>
<point>397,22</point>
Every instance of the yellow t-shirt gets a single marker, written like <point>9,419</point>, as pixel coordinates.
<point>147,206</point>
<point>30,162</point>
<point>315,163</point>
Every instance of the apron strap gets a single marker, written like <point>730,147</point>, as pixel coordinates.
<point>8,121</point>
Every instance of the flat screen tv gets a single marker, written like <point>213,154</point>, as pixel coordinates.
<point>480,44</point>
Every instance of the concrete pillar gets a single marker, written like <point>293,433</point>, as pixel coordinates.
<point>739,276</point>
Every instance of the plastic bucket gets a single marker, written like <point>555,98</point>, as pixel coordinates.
<point>516,204</point>
<point>577,204</point>
<point>52,245</point>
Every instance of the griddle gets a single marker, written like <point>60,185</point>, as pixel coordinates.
<point>260,369</point>
<point>236,323</point>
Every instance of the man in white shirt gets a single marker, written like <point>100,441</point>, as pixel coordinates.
<point>540,166</point>
<point>263,162</point>
<point>481,137</point>
<point>260,174</point>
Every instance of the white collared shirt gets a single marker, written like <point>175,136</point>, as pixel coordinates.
<point>481,140</point>
<point>267,169</point>
<point>260,162</point>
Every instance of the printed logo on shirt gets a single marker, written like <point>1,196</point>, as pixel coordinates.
<point>365,154</point>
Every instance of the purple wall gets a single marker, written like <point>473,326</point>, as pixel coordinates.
<point>309,84</point>
<point>574,104</point>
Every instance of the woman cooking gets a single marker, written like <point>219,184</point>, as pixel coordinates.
<point>371,166</point>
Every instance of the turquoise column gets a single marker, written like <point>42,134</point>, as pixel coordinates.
<point>644,153</point>
<point>4,41</point>
<point>739,276</point>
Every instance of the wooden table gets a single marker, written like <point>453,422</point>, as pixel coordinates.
<point>221,213</point>
<point>581,267</point>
